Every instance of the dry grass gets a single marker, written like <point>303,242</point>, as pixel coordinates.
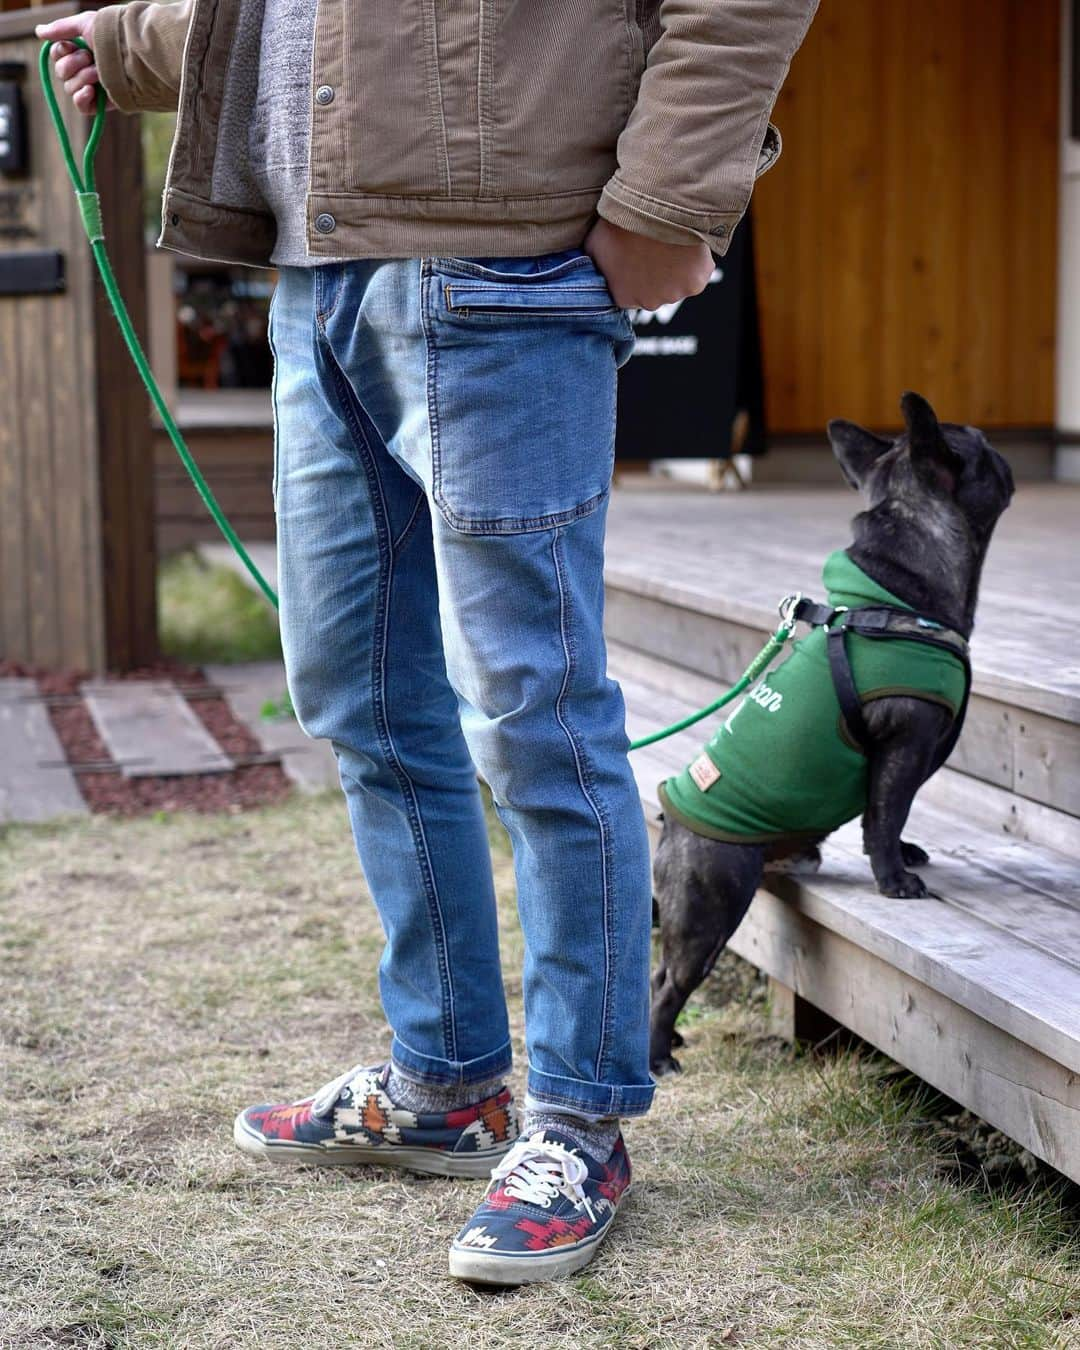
<point>159,974</point>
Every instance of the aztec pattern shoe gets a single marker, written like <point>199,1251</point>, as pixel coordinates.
<point>352,1120</point>
<point>548,1208</point>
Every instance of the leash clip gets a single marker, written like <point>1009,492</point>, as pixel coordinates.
<point>787,607</point>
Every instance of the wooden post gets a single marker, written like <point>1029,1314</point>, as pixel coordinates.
<point>793,1019</point>
<point>77,556</point>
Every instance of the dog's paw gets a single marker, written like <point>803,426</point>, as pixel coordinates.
<point>913,855</point>
<point>907,886</point>
<point>662,1067</point>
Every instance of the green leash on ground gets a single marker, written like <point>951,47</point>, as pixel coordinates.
<point>90,209</point>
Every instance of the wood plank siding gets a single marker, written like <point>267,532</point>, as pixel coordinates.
<point>77,560</point>
<point>908,236</point>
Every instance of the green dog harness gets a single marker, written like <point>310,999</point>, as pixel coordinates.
<point>789,761</point>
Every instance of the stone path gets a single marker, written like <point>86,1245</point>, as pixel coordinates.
<point>148,732</point>
<point>35,781</point>
<point>248,688</point>
<point>151,731</point>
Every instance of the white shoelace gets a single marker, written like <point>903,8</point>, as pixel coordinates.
<point>536,1170</point>
<point>328,1094</point>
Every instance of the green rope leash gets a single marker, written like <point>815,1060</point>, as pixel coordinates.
<point>90,209</point>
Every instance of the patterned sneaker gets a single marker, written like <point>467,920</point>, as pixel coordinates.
<point>353,1120</point>
<point>548,1208</point>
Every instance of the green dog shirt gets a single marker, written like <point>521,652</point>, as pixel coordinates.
<point>783,764</point>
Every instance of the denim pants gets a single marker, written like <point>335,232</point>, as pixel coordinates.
<point>444,434</point>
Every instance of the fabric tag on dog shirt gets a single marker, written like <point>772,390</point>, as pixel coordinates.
<point>704,772</point>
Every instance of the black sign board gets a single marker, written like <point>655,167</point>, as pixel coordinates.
<point>40,272</point>
<point>695,366</point>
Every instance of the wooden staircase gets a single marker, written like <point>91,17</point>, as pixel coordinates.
<point>977,992</point>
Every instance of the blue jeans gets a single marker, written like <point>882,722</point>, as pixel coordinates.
<point>444,435</point>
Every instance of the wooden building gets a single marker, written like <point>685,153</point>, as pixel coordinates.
<point>922,229</point>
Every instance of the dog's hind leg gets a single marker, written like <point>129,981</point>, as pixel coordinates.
<point>703,889</point>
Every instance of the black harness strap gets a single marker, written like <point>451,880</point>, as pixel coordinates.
<point>881,621</point>
<point>844,684</point>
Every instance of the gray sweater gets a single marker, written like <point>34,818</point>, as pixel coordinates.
<point>280,128</point>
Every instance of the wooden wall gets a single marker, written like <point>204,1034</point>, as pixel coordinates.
<point>907,237</point>
<point>238,463</point>
<point>77,560</point>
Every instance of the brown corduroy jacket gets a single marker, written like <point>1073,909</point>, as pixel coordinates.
<point>467,127</point>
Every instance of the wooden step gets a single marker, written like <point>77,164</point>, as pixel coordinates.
<point>694,580</point>
<point>977,992</point>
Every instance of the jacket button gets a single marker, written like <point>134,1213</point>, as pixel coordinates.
<point>325,223</point>
<point>324,94</point>
<point>720,230</point>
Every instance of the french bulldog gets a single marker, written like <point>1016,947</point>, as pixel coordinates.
<point>933,496</point>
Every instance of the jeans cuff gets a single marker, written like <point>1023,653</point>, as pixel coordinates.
<point>578,1097</point>
<point>448,1072</point>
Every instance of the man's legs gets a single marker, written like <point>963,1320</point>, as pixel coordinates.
<point>495,387</point>
<point>492,388</point>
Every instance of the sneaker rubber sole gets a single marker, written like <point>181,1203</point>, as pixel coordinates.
<point>480,1267</point>
<point>334,1153</point>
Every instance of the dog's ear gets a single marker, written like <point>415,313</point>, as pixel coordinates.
<point>855,448</point>
<point>934,461</point>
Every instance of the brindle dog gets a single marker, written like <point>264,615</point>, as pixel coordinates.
<point>934,495</point>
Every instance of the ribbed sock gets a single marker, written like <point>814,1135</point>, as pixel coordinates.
<point>438,1098</point>
<point>595,1137</point>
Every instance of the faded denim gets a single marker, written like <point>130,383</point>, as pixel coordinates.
<point>444,434</point>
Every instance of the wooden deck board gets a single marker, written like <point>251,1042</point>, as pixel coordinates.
<point>35,782</point>
<point>151,730</point>
<point>736,555</point>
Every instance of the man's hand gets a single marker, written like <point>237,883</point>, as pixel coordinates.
<point>646,273</point>
<point>74,65</point>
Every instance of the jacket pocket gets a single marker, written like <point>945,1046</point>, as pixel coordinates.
<point>521,388</point>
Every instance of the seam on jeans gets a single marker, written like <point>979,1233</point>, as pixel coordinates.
<point>509,525</point>
<point>405,783</point>
<point>616,1101</point>
<point>323,315</point>
<point>585,782</point>
<point>275,418</point>
<point>396,545</point>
